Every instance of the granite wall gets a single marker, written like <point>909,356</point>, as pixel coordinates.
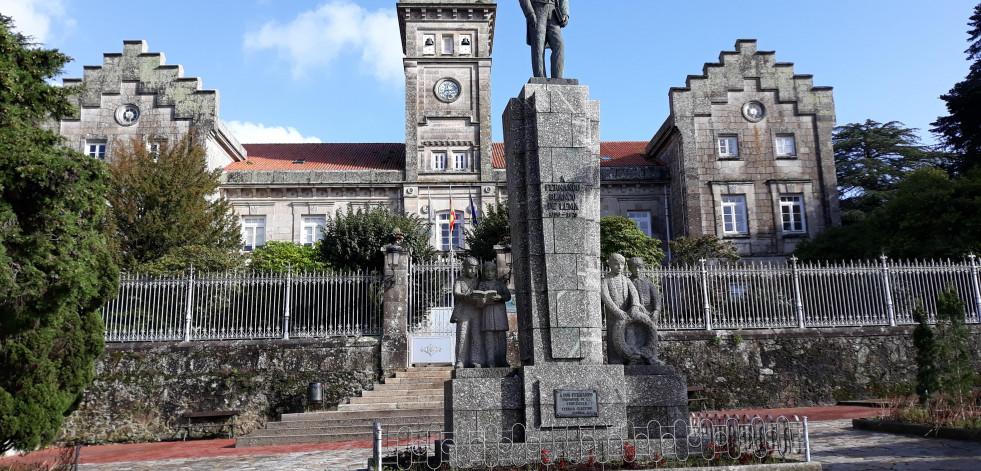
<point>793,367</point>
<point>141,389</point>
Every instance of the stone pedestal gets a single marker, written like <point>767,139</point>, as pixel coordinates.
<point>552,142</point>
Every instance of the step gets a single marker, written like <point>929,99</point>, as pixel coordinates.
<point>362,422</point>
<point>423,374</point>
<point>242,442</point>
<point>390,406</point>
<point>321,429</point>
<point>417,382</point>
<point>395,392</point>
<point>396,398</point>
<point>357,414</point>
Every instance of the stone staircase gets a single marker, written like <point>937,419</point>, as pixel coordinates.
<point>413,398</point>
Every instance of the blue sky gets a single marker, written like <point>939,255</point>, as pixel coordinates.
<point>330,70</point>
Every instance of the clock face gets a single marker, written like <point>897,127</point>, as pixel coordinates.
<point>753,111</point>
<point>447,90</point>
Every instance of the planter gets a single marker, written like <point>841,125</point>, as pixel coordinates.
<point>970,434</point>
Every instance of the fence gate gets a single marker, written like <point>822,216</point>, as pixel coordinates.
<point>431,336</point>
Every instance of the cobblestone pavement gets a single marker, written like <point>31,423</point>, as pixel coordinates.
<point>834,444</point>
<point>839,447</point>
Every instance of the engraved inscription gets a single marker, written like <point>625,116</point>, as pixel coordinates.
<point>576,403</point>
<point>562,200</point>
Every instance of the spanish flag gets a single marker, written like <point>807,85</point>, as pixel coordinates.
<point>452,216</point>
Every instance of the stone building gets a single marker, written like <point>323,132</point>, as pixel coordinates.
<point>748,144</point>
<point>745,153</point>
<point>135,94</point>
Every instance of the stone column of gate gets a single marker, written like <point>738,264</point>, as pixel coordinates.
<point>551,136</point>
<point>394,340</point>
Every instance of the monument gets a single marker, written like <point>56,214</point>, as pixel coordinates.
<point>552,143</point>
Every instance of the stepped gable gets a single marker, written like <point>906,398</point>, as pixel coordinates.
<point>323,156</point>
<point>729,74</point>
<point>620,153</point>
<point>152,77</point>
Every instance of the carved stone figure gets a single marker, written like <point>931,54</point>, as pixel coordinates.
<point>466,315</point>
<point>491,294</point>
<point>631,335</point>
<point>650,297</point>
<point>546,18</point>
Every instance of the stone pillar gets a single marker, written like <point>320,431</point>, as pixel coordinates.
<point>551,136</point>
<point>394,345</point>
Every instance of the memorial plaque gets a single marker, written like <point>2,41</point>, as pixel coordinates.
<point>576,403</point>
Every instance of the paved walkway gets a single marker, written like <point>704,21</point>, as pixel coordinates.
<point>834,444</point>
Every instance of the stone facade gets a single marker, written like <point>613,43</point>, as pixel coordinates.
<point>136,95</point>
<point>748,144</point>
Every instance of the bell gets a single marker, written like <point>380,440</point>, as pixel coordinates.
<point>429,42</point>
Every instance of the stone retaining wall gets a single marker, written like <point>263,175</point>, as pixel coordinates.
<point>141,389</point>
<point>795,367</point>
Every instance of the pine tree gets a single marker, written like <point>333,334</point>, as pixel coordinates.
<point>953,346</point>
<point>961,129</point>
<point>925,343</point>
<point>55,269</point>
<point>162,203</point>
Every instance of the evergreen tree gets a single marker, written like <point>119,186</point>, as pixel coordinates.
<point>353,239</point>
<point>275,257</point>
<point>55,270</point>
<point>961,129</point>
<point>166,201</point>
<point>925,343</point>
<point>956,376</point>
<point>621,235</point>
<point>871,159</point>
<point>494,229</point>
<point>690,250</point>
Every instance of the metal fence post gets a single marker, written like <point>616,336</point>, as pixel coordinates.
<point>974,283</point>
<point>190,304</point>
<point>807,441</point>
<point>289,298</point>
<point>705,297</point>
<point>890,308</point>
<point>798,299</point>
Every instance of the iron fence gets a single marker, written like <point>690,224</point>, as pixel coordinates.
<point>701,441</point>
<point>800,295</point>
<point>431,297</point>
<point>244,305</point>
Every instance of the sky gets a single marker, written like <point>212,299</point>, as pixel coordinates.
<point>331,70</point>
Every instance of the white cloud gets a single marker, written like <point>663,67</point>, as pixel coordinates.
<point>316,39</point>
<point>258,133</point>
<point>37,18</point>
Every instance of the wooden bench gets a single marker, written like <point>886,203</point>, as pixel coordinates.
<point>218,419</point>
<point>697,399</point>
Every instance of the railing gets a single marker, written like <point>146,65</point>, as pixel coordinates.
<point>811,294</point>
<point>243,305</point>
<point>703,441</point>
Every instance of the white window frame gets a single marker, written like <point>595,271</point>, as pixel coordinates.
<point>447,45</point>
<point>734,217</point>
<point>643,220</point>
<point>153,147</point>
<point>311,229</point>
<point>438,160</point>
<point>793,219</point>
<point>727,145</point>
<point>444,231</point>
<point>253,232</point>
<point>781,145</point>
<point>96,148</point>
<point>460,161</point>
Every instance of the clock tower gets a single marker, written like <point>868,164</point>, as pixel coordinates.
<point>447,46</point>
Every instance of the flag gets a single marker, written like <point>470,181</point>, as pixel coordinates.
<point>432,221</point>
<point>473,210</point>
<point>452,214</point>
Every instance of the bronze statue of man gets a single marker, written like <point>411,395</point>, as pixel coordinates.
<point>546,18</point>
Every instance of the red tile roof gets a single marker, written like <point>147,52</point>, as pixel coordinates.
<point>391,156</point>
<point>620,153</point>
<point>325,156</point>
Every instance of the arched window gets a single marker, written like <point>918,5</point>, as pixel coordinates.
<point>444,231</point>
